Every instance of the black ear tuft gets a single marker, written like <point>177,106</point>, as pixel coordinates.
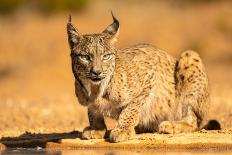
<point>114,19</point>
<point>70,19</point>
<point>113,28</point>
<point>74,36</point>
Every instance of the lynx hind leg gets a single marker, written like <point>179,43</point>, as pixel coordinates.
<point>193,85</point>
<point>192,94</point>
<point>186,124</point>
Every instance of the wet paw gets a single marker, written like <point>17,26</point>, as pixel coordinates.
<point>120,135</point>
<point>90,133</point>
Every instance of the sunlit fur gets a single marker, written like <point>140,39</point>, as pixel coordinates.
<point>142,87</point>
<point>96,47</point>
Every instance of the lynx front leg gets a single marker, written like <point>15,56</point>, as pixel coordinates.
<point>127,121</point>
<point>97,127</point>
<point>186,124</point>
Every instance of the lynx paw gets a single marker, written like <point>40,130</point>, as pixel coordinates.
<point>172,127</point>
<point>119,135</point>
<point>166,127</point>
<point>90,133</point>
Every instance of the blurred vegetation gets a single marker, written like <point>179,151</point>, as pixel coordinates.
<point>45,6</point>
<point>51,6</point>
<point>7,6</point>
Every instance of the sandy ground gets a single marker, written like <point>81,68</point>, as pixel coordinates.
<point>203,140</point>
<point>36,84</point>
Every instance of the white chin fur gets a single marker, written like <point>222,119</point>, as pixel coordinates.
<point>96,82</point>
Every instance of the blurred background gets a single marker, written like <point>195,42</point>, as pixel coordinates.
<point>36,82</point>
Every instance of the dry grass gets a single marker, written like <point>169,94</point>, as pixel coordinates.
<point>36,83</point>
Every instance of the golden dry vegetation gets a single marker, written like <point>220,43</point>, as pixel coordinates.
<point>36,82</point>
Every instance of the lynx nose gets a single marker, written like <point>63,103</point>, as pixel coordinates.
<point>96,72</point>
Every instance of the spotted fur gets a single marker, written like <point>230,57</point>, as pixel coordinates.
<point>142,87</point>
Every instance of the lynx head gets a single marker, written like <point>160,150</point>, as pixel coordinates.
<point>93,55</point>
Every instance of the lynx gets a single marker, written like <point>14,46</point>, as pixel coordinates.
<point>142,87</point>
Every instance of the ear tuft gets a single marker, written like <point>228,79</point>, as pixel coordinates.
<point>74,36</point>
<point>113,29</point>
<point>114,19</point>
<point>70,19</point>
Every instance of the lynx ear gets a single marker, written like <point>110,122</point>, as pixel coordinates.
<point>113,29</point>
<point>74,36</point>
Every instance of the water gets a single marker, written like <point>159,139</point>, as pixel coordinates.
<point>40,151</point>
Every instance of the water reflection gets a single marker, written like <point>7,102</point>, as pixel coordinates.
<point>37,151</point>
<point>108,152</point>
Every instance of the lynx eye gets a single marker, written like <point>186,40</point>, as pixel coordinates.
<point>85,58</point>
<point>107,57</point>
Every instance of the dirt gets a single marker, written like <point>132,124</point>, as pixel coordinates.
<point>203,140</point>
<point>37,100</point>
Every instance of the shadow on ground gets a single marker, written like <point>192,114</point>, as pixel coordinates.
<point>30,140</point>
